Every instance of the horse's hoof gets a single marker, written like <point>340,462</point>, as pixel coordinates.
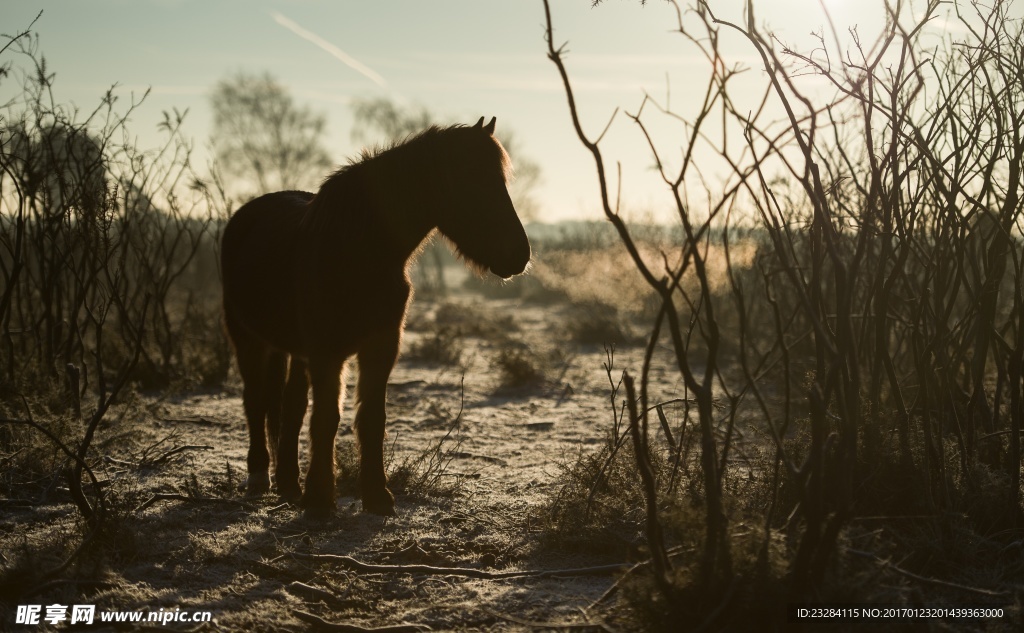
<point>316,508</point>
<point>256,486</point>
<point>383,505</point>
<point>290,494</point>
<point>317,514</point>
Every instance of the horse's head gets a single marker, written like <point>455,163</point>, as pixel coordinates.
<point>478,216</point>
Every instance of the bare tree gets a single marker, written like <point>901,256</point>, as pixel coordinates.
<point>384,116</point>
<point>262,138</point>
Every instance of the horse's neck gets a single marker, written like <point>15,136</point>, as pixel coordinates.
<point>405,211</point>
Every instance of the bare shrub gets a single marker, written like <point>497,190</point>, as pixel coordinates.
<point>440,344</point>
<point>518,365</point>
<point>851,288</point>
<point>92,230</point>
<point>595,323</point>
<point>594,508</point>
<point>428,474</point>
<point>96,236</point>
<point>472,321</point>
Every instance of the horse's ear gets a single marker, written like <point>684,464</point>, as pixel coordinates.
<point>490,126</point>
<point>480,123</point>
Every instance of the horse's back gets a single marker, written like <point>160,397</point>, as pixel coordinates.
<point>263,222</point>
<point>258,251</point>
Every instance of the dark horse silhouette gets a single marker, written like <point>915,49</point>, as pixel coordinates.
<point>310,280</point>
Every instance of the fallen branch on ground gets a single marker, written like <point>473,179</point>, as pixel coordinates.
<point>119,462</point>
<point>77,582</point>
<point>171,453</point>
<point>166,496</point>
<point>368,568</point>
<point>932,581</point>
<point>309,592</point>
<point>79,461</point>
<point>674,551</point>
<point>303,590</point>
<point>548,625</point>
<point>196,420</point>
<point>353,628</point>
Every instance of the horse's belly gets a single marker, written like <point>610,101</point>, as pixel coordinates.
<point>267,317</point>
<point>336,317</point>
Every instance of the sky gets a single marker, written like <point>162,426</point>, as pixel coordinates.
<point>462,59</point>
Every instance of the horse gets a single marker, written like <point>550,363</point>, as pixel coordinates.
<point>310,280</point>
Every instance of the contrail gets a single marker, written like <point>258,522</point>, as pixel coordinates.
<point>344,57</point>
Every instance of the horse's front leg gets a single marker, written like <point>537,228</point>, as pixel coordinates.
<point>325,375</point>
<point>376,359</point>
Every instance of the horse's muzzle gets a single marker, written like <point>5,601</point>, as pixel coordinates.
<point>508,271</point>
<point>514,264</point>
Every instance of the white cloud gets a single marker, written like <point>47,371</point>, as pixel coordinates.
<point>339,54</point>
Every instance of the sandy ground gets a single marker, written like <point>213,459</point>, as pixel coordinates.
<point>498,453</point>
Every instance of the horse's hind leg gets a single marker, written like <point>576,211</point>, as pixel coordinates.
<point>276,369</point>
<point>293,409</point>
<point>253,361</point>
<point>376,360</point>
<point>325,376</point>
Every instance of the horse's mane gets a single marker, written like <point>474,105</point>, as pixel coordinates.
<point>410,147</point>
<point>406,157</point>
